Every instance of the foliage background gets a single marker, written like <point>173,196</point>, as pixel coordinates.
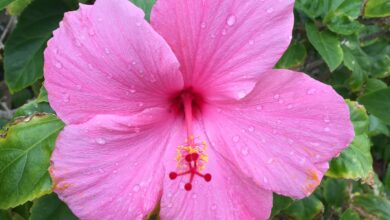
<point>344,43</point>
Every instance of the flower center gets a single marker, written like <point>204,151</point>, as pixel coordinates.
<point>191,157</point>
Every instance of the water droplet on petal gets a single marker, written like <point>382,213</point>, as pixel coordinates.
<point>214,207</point>
<point>58,65</point>
<point>276,97</point>
<point>259,108</point>
<point>245,151</point>
<point>66,98</point>
<point>251,42</point>
<point>101,141</point>
<point>326,119</point>
<point>78,87</point>
<point>241,94</point>
<point>138,24</point>
<point>327,129</point>
<point>311,91</point>
<point>290,106</point>
<point>170,205</point>
<point>194,196</point>
<point>270,10</point>
<point>231,20</point>
<point>106,50</point>
<point>236,138</point>
<point>91,32</point>
<point>77,43</point>
<point>251,128</point>
<point>224,32</point>
<point>203,25</point>
<point>136,188</point>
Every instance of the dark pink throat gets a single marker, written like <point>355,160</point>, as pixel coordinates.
<point>191,156</point>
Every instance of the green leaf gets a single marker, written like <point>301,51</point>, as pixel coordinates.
<point>377,127</point>
<point>4,3</point>
<point>25,149</point>
<point>23,62</point>
<point>5,215</point>
<point>32,108</point>
<point>42,97</point>
<point>374,205</point>
<point>386,181</point>
<point>327,45</point>
<point>349,214</point>
<point>335,192</point>
<point>377,8</point>
<point>17,7</point>
<point>294,57</point>
<point>341,19</point>
<point>280,203</point>
<point>146,6</point>
<point>379,58</point>
<point>356,161</point>
<point>378,103</point>
<point>50,207</point>
<point>307,208</point>
<point>356,60</point>
<point>373,85</point>
<point>315,8</point>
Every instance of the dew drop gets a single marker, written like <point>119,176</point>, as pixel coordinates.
<point>326,119</point>
<point>231,20</point>
<point>241,94</point>
<point>203,25</point>
<point>219,110</point>
<point>66,98</point>
<point>134,62</point>
<point>251,42</point>
<point>132,91</point>
<point>58,65</point>
<point>91,32</point>
<point>141,104</point>
<point>170,205</point>
<point>290,106</point>
<point>101,170</point>
<point>276,97</point>
<point>251,128</point>
<point>115,171</point>
<point>224,32</point>
<point>214,207</point>
<point>270,10</point>
<point>236,138</point>
<point>245,151</point>
<point>138,24</point>
<point>279,122</point>
<point>327,129</point>
<point>78,87</point>
<point>136,188</point>
<point>55,50</point>
<point>106,50</point>
<point>101,141</point>
<point>259,108</point>
<point>311,91</point>
<point>194,196</point>
<point>77,43</point>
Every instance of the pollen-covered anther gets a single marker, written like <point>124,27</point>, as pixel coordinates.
<point>193,170</point>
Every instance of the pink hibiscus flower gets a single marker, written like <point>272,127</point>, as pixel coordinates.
<point>186,112</point>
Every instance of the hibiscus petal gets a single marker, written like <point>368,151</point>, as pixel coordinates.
<point>110,167</point>
<point>106,58</point>
<point>228,195</point>
<point>284,132</point>
<point>223,45</point>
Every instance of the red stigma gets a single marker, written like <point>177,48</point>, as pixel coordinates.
<point>192,160</point>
